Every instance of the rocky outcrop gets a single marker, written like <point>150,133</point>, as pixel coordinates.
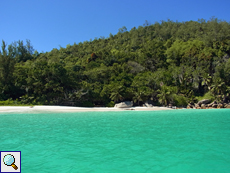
<point>147,105</point>
<point>227,106</point>
<point>126,104</point>
<point>190,106</point>
<point>196,105</point>
<point>220,106</point>
<point>205,104</point>
<point>212,104</point>
<point>204,101</point>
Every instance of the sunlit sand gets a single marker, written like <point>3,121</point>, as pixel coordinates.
<point>74,109</point>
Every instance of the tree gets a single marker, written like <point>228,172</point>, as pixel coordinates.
<point>219,89</point>
<point>122,30</point>
<point>165,62</point>
<point>6,72</point>
<point>23,52</point>
<point>165,95</point>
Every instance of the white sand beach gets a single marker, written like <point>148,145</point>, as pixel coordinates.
<point>74,109</point>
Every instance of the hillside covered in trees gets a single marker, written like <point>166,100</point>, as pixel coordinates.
<point>167,62</point>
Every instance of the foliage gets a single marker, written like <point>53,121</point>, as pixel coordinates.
<point>180,100</point>
<point>110,104</point>
<point>207,95</point>
<point>11,102</point>
<point>167,62</point>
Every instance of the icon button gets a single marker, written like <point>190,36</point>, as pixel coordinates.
<point>10,161</point>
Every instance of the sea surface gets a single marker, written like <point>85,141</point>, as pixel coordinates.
<point>171,141</point>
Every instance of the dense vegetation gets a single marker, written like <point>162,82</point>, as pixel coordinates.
<point>167,62</point>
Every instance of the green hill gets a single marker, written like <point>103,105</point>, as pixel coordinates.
<point>167,62</point>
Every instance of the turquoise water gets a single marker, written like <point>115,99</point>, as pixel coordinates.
<point>178,141</point>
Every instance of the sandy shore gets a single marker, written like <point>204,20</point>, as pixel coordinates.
<point>74,109</point>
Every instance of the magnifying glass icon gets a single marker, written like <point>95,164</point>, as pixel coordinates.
<point>9,160</point>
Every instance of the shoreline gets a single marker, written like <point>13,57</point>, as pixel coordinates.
<point>75,109</point>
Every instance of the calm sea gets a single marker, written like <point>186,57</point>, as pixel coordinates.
<point>178,141</point>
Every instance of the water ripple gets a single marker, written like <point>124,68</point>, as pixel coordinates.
<point>163,141</point>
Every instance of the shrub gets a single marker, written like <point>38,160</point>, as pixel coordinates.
<point>207,95</point>
<point>180,100</point>
<point>110,104</point>
<point>87,104</point>
<point>11,102</point>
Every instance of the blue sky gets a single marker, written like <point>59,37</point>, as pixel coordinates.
<point>50,24</point>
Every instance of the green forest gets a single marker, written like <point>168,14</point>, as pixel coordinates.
<point>163,63</point>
